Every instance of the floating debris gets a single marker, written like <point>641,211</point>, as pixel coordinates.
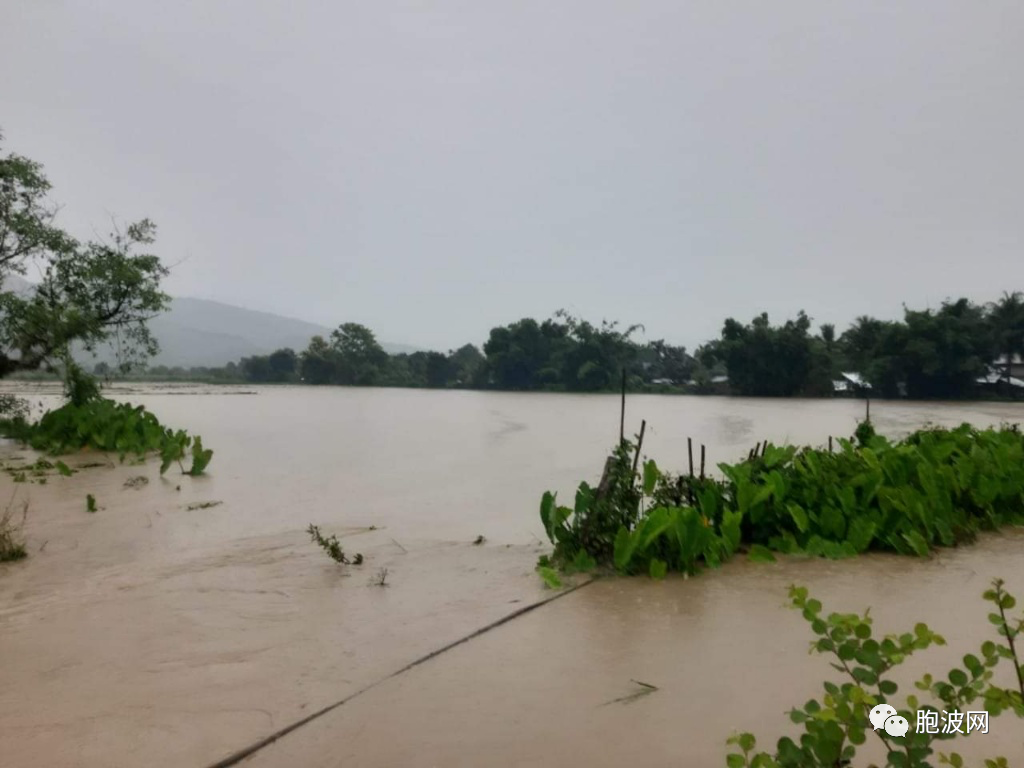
<point>203,505</point>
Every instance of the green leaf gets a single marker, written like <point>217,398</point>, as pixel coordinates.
<point>658,569</point>
<point>550,576</point>
<point>651,475</point>
<point>760,554</point>
<point>583,562</point>
<point>917,543</point>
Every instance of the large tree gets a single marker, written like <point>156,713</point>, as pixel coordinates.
<point>763,360</point>
<point>1006,319</point>
<point>86,294</point>
<point>360,360</point>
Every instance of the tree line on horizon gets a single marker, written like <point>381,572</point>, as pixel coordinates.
<point>928,354</point>
<point>106,291</point>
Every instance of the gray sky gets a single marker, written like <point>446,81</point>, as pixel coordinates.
<point>433,169</point>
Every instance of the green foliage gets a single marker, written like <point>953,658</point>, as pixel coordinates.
<point>13,408</point>
<point>938,487</point>
<point>598,514</point>
<point>278,367</point>
<point>864,433</point>
<point>105,425</point>
<point>835,726</point>
<point>928,354</point>
<point>778,362</point>
<point>565,353</point>
<point>332,547</point>
<point>200,457</point>
<point>550,577</point>
<point>90,503</point>
<point>87,293</point>
<point>79,387</point>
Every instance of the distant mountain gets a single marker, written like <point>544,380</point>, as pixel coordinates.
<point>199,332</point>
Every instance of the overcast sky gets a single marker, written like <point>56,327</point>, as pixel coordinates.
<point>433,169</point>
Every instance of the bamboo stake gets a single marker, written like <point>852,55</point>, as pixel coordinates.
<point>622,411</point>
<point>639,444</point>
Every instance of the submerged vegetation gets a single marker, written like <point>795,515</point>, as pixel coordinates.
<point>87,294</point>
<point>937,487</point>
<point>332,547</point>
<point>836,726</point>
<point>105,425</point>
<point>12,546</point>
<point>88,420</point>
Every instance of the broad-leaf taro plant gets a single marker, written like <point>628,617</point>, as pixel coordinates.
<point>937,487</point>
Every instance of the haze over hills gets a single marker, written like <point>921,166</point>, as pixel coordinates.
<point>200,332</point>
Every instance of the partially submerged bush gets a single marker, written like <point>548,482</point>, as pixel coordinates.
<point>13,407</point>
<point>12,546</point>
<point>938,487</point>
<point>332,547</point>
<point>106,425</point>
<point>838,724</point>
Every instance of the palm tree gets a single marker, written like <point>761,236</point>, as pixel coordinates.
<point>1006,318</point>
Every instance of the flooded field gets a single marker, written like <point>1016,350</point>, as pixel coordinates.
<point>150,633</point>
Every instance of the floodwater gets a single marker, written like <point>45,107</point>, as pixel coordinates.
<point>153,634</point>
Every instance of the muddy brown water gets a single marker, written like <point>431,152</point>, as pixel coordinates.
<point>149,633</point>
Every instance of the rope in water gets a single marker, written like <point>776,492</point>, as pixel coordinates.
<point>242,754</point>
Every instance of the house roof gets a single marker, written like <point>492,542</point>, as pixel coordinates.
<point>994,377</point>
<point>1015,360</point>
<point>856,379</point>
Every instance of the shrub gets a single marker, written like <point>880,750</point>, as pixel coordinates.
<point>12,546</point>
<point>106,425</point>
<point>938,487</point>
<point>838,724</point>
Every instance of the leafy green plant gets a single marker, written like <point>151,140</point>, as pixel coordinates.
<point>90,503</point>
<point>864,433</point>
<point>835,726</point>
<point>12,546</point>
<point>936,488</point>
<point>332,546</point>
<point>598,514</point>
<point>106,425</point>
<point>79,387</point>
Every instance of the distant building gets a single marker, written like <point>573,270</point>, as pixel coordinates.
<point>997,381</point>
<point>851,383</point>
<point>1016,365</point>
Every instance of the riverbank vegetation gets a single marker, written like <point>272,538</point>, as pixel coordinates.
<point>950,352</point>
<point>935,488</point>
<point>88,420</point>
<point>838,724</point>
<point>87,294</point>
